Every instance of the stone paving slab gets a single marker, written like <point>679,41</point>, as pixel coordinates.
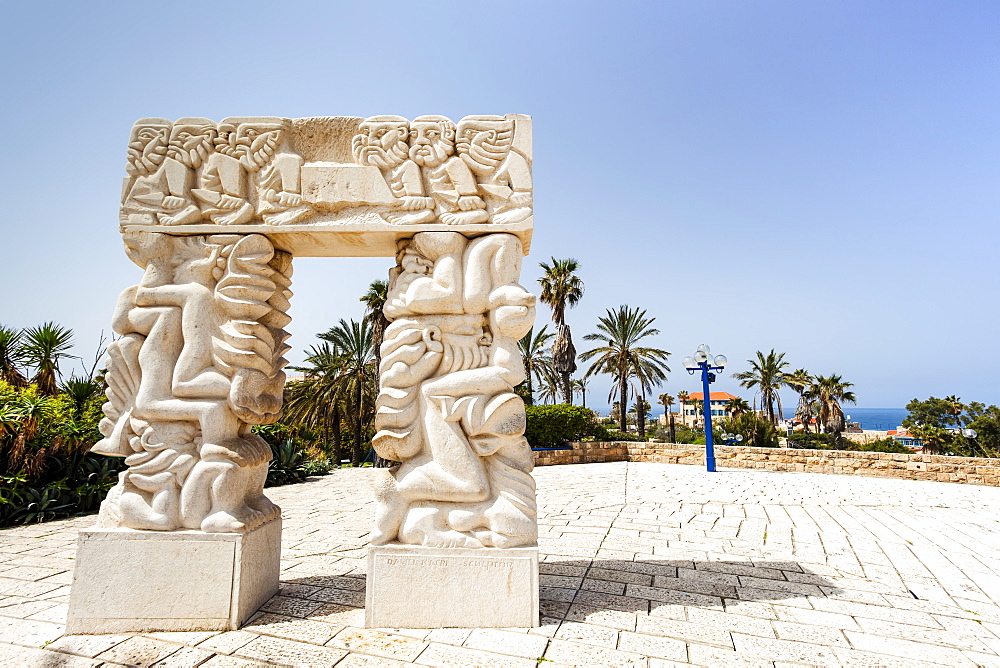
<point>643,564</point>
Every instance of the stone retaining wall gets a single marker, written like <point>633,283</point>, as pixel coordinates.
<point>970,470</point>
<point>585,453</point>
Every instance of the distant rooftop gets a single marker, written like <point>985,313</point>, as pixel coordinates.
<point>715,396</point>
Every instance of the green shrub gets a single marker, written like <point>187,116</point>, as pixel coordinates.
<point>318,467</point>
<point>46,468</point>
<point>599,433</point>
<point>287,464</point>
<point>553,425</point>
<point>757,431</point>
<point>803,441</point>
<point>618,435</point>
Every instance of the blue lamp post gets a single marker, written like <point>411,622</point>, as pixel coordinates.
<point>704,360</point>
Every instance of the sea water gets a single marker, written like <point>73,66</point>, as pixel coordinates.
<point>881,419</point>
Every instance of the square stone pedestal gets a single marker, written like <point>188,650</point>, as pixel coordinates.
<point>141,581</point>
<point>429,587</point>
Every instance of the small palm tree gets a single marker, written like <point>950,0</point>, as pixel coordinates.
<point>698,406</point>
<point>830,391</point>
<point>955,408</point>
<point>43,349</point>
<point>801,381</point>
<point>768,376</point>
<point>536,362</point>
<point>737,407</point>
<point>561,287</point>
<point>11,356</point>
<point>549,385</point>
<point>640,409</point>
<point>353,342</point>
<point>316,400</point>
<point>622,357</point>
<point>684,396</point>
<point>667,400</point>
<point>80,391</point>
<point>580,385</point>
<point>374,301</point>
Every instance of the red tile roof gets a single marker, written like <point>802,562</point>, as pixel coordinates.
<point>715,396</point>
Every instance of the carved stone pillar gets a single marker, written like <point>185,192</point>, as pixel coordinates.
<point>198,363</point>
<point>448,413</point>
<point>213,213</point>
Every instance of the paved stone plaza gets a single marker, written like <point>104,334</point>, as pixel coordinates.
<point>644,565</point>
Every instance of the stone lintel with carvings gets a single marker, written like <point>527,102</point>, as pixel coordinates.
<point>330,186</point>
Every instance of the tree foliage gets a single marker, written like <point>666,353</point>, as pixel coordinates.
<point>622,357</point>
<point>940,424</point>
<point>767,376</point>
<point>536,362</point>
<point>553,426</point>
<point>562,288</point>
<point>756,431</point>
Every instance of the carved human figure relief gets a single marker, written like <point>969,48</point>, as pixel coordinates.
<point>223,189</point>
<point>447,408</point>
<point>382,142</point>
<point>143,191</point>
<point>199,361</point>
<point>270,171</point>
<point>486,145</point>
<point>191,142</point>
<point>275,170</point>
<point>446,177</point>
<point>253,174</point>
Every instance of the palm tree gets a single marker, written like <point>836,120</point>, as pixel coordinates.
<point>580,385</point>
<point>667,400</point>
<point>80,391</point>
<point>561,287</point>
<point>737,407</point>
<point>548,385</point>
<point>316,400</point>
<point>801,381</point>
<point>640,409</point>
<point>532,347</point>
<point>698,406</point>
<point>374,301</point>
<point>830,391</point>
<point>621,331</point>
<point>767,375</point>
<point>353,342</point>
<point>956,408</point>
<point>43,348</point>
<point>11,356</point>
<point>684,396</point>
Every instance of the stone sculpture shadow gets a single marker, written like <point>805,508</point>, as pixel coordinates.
<point>570,587</point>
<point>642,586</point>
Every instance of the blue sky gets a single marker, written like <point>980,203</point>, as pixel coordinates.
<point>822,178</point>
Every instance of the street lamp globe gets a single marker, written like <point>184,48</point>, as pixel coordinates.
<point>720,361</point>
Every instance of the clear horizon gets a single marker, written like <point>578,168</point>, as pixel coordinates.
<point>798,176</point>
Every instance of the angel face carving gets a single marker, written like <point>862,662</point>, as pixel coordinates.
<point>381,141</point>
<point>432,140</point>
<point>483,142</point>
<point>147,147</point>
<point>191,141</point>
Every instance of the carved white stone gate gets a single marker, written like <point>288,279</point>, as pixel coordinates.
<point>214,213</point>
